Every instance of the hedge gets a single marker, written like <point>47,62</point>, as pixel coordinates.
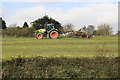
<point>41,67</point>
<point>18,32</point>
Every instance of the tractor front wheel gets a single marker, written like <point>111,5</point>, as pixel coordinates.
<point>39,36</point>
<point>53,35</point>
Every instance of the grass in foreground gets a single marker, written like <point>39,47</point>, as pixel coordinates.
<point>63,47</point>
<point>39,67</point>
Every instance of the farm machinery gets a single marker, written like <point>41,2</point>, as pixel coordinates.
<point>48,31</point>
<point>83,32</point>
<point>86,32</point>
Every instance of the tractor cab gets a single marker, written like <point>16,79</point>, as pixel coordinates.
<point>49,27</point>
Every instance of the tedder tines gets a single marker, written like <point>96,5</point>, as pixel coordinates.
<point>48,31</point>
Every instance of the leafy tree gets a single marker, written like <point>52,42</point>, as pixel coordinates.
<point>25,25</point>
<point>104,30</point>
<point>2,24</point>
<point>39,23</point>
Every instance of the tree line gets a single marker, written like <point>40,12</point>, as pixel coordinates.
<point>103,29</point>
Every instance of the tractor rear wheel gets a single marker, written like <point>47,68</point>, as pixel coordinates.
<point>39,35</point>
<point>53,35</point>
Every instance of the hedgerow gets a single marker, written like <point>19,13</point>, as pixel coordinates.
<point>41,67</point>
<point>18,32</point>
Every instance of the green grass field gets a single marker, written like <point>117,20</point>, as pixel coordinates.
<point>63,47</point>
<point>61,58</point>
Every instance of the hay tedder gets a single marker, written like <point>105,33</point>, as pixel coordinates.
<point>48,31</point>
<point>86,32</point>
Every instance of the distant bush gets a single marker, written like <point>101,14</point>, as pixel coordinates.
<point>39,67</point>
<point>18,32</point>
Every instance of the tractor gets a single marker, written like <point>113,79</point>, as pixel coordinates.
<point>48,31</point>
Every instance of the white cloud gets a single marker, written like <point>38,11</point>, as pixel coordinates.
<point>89,14</point>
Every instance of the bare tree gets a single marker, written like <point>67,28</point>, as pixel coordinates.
<point>68,27</point>
<point>104,30</point>
<point>90,29</point>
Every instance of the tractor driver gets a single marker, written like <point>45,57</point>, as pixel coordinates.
<point>45,26</point>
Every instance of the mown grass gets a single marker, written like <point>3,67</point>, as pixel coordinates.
<point>63,47</point>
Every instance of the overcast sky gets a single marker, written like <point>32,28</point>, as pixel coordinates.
<point>78,12</point>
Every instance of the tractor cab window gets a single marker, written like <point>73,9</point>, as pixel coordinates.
<point>49,27</point>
